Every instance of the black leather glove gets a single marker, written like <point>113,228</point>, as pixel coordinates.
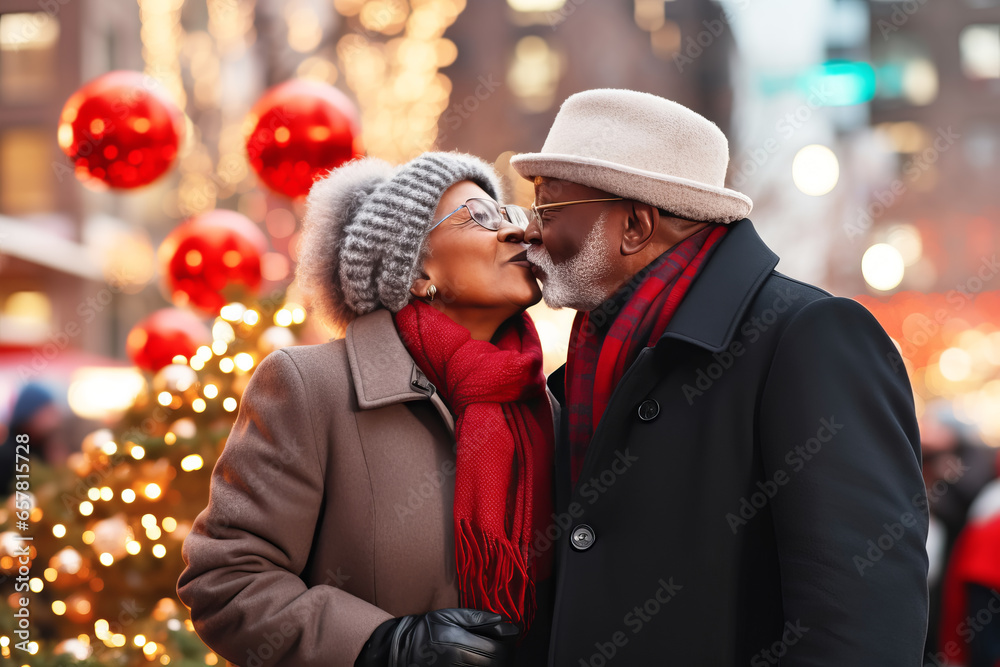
<point>443,637</point>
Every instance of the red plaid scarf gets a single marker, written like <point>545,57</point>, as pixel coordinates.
<point>600,355</point>
<point>503,460</point>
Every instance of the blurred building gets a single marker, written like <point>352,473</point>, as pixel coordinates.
<point>43,269</point>
<point>68,255</point>
<point>519,59</point>
<point>937,108</point>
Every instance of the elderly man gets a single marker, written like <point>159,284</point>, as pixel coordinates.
<point>738,459</point>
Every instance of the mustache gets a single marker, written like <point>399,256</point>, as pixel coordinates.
<point>538,255</point>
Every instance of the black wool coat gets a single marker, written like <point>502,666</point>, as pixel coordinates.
<point>753,492</point>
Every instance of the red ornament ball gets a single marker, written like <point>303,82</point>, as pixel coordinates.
<point>156,340</point>
<point>208,253</point>
<point>120,130</point>
<point>301,129</point>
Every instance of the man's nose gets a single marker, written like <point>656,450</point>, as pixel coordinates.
<point>510,233</point>
<point>533,232</point>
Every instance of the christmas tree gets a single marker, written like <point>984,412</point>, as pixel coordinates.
<point>106,530</point>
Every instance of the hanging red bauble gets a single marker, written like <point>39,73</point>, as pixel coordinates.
<point>208,253</point>
<point>120,130</point>
<point>156,340</point>
<point>300,129</point>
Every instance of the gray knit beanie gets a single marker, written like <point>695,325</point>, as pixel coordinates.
<point>364,229</point>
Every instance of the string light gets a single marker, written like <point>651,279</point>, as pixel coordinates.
<point>399,88</point>
<point>243,361</point>
<point>191,462</point>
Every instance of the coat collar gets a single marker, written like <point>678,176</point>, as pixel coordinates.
<point>713,308</point>
<point>383,371</point>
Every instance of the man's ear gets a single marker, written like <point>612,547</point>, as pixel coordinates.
<point>640,227</point>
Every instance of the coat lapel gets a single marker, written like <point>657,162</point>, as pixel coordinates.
<point>383,371</point>
<point>708,317</point>
<point>713,307</point>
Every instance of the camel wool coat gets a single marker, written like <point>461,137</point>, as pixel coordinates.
<point>330,507</point>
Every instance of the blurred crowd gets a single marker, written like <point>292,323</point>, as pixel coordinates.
<point>962,476</point>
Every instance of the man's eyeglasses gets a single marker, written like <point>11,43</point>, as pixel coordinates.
<point>536,210</point>
<point>489,214</point>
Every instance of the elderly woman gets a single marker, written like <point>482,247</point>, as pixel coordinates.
<point>383,498</point>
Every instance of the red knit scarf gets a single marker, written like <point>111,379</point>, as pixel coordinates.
<point>504,434</point>
<point>600,355</point>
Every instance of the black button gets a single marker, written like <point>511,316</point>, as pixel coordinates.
<point>582,537</point>
<point>648,410</point>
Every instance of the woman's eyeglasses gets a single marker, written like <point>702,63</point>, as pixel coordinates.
<point>489,214</point>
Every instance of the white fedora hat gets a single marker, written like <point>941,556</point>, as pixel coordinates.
<point>643,147</point>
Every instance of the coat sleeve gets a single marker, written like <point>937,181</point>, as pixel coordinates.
<point>838,433</point>
<point>247,549</point>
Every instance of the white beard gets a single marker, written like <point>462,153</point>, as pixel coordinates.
<point>578,282</point>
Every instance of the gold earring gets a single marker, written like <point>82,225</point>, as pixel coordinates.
<point>431,292</point>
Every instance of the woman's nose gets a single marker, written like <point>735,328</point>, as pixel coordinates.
<point>510,233</point>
